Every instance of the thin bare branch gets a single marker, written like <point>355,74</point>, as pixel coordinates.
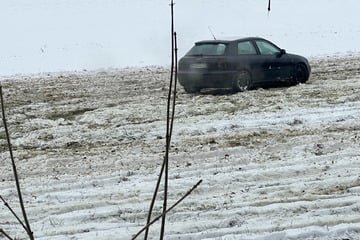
<point>153,200</point>
<point>5,234</point>
<point>168,210</point>
<point>12,211</point>
<point>169,122</point>
<point>28,229</point>
<point>175,83</point>
<point>169,127</point>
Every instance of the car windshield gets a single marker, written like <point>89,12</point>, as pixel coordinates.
<point>207,49</point>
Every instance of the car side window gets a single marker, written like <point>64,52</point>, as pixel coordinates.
<point>267,48</point>
<point>246,48</point>
<point>208,49</point>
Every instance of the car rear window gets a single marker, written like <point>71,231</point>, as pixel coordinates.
<point>208,49</point>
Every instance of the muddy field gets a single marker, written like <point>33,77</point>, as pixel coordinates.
<point>279,163</point>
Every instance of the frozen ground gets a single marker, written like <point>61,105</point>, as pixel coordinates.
<point>276,164</point>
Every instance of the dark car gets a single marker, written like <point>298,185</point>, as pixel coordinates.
<point>240,64</point>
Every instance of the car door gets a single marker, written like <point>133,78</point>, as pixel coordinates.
<point>246,58</point>
<point>274,62</point>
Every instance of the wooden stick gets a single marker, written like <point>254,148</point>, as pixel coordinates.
<point>28,229</point>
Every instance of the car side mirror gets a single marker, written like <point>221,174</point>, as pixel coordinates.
<point>282,52</point>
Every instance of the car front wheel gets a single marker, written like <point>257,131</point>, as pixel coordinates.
<point>301,73</point>
<point>242,82</point>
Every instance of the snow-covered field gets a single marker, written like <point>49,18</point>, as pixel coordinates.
<point>280,163</point>
<point>276,164</point>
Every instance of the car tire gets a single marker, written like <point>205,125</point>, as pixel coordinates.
<point>301,73</point>
<point>242,82</point>
<point>191,89</point>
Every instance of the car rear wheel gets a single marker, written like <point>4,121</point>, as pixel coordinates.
<point>242,82</point>
<point>301,73</point>
<point>191,89</point>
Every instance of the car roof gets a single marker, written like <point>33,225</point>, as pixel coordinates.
<point>227,41</point>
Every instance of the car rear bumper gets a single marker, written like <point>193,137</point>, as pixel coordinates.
<point>213,79</point>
